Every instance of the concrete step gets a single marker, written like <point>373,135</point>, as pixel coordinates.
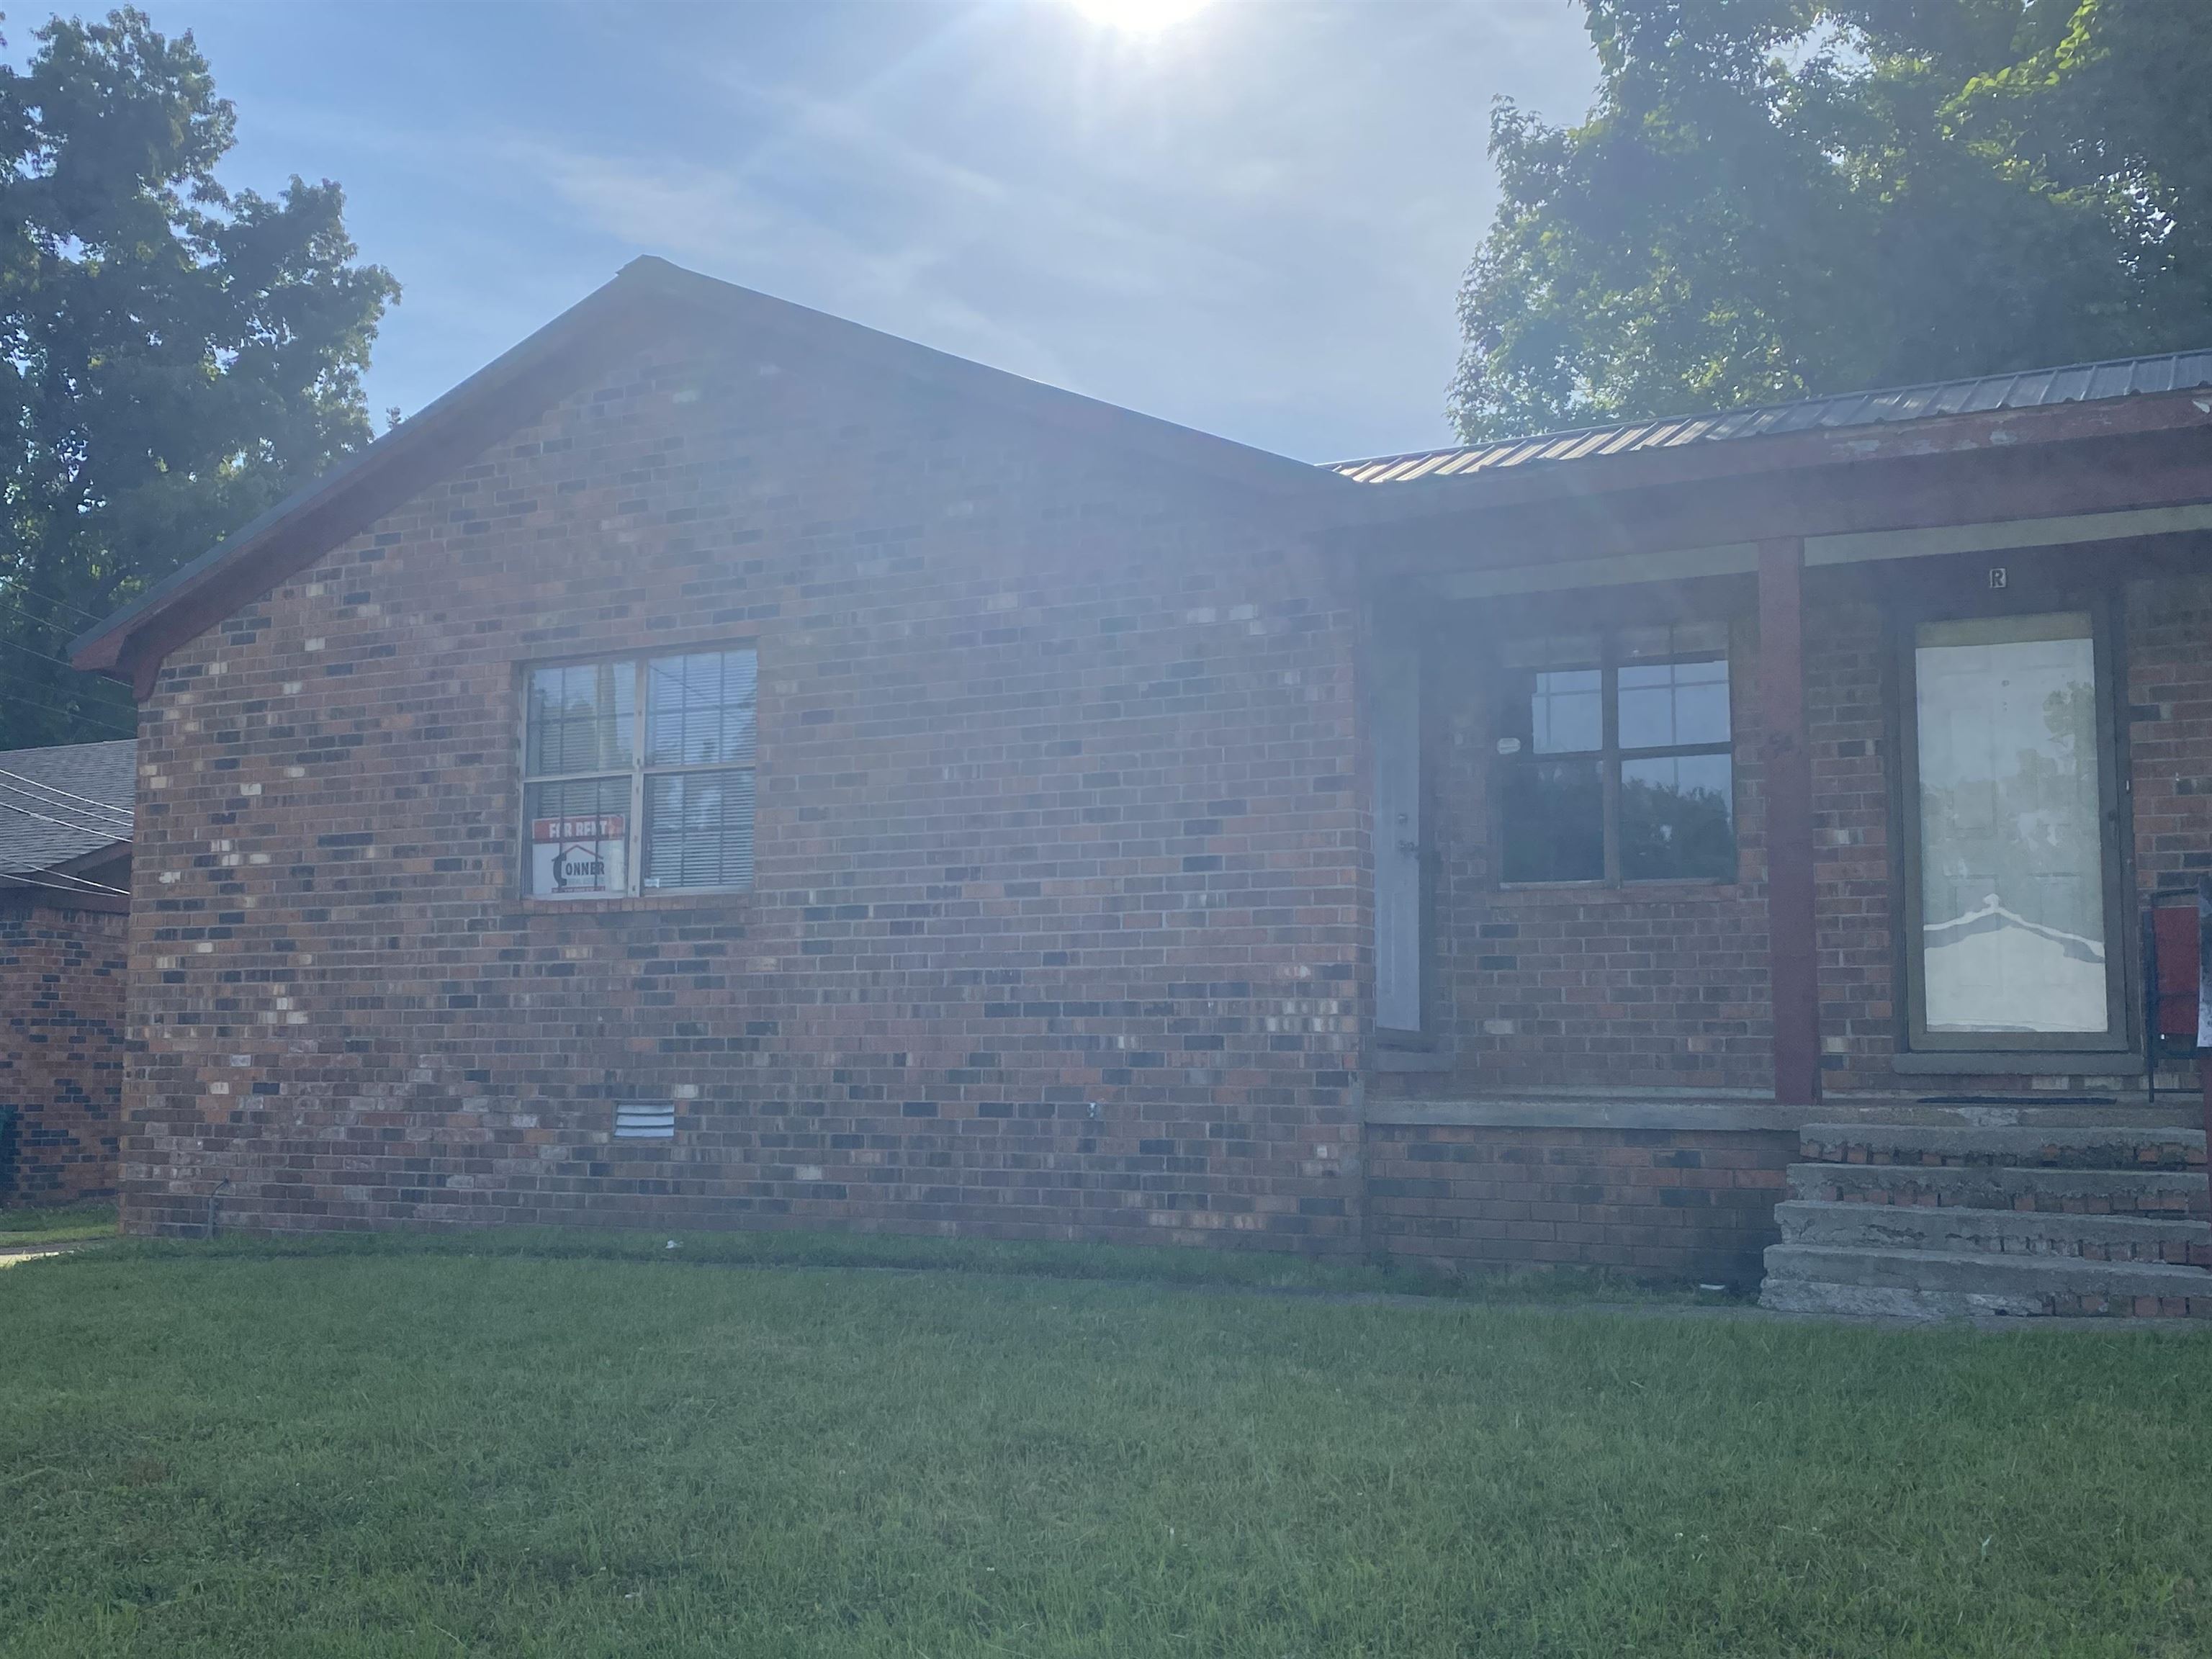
<point>1960,1228</point>
<point>2079,1147</point>
<point>1942,1284</point>
<point>2170,1194</point>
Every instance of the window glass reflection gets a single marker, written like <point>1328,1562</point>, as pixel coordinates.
<point>1554,821</point>
<point>1567,711</point>
<point>1669,703</point>
<point>1677,818</point>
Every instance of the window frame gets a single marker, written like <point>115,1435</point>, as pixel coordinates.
<point>2115,839</point>
<point>1610,756</point>
<point>639,769</point>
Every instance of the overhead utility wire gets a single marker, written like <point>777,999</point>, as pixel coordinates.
<point>19,585</point>
<point>43,656</point>
<point>54,789</point>
<point>83,829</point>
<point>88,887</point>
<point>85,882</point>
<point>90,718</point>
<point>120,827</point>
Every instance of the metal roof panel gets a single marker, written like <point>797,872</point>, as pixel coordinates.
<point>2178,371</point>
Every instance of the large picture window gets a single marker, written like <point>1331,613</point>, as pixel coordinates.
<point>638,775</point>
<point>1614,759</point>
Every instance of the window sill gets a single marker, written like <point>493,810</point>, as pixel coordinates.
<point>1383,1058</point>
<point>1708,885</point>
<point>2017,1062</point>
<point>686,898</point>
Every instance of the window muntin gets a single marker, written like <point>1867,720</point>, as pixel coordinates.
<point>1615,760</point>
<point>651,753</point>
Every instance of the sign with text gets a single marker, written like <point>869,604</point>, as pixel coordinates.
<point>573,857</point>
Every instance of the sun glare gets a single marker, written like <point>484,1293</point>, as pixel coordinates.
<point>1137,16</point>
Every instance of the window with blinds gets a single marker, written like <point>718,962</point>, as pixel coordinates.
<point>638,775</point>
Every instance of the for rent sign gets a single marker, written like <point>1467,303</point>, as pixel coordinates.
<point>572,856</point>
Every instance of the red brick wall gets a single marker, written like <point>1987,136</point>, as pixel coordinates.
<point>61,979</point>
<point>1060,910</point>
<point>1655,1203</point>
<point>1653,985</point>
<point>2169,642</point>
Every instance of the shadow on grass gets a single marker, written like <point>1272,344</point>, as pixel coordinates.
<point>795,1247</point>
<point>60,1224</point>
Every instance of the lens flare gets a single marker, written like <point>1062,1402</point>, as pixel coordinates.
<point>1138,17</point>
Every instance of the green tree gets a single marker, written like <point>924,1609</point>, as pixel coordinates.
<point>179,355</point>
<point>1776,197</point>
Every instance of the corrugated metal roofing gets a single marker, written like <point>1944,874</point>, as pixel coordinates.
<point>2035,388</point>
<point>61,802</point>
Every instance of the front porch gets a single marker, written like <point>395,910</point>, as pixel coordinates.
<point>1830,793</point>
<point>1701,1188</point>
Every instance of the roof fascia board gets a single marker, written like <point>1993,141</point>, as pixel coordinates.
<point>2002,536</point>
<point>1739,558</point>
<point>500,398</point>
<point>56,895</point>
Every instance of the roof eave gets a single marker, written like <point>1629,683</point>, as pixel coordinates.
<point>2142,413</point>
<point>649,295</point>
<point>506,391</point>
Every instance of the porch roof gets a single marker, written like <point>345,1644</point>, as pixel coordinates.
<point>2037,388</point>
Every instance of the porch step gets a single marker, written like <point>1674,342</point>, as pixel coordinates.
<point>1960,1230</point>
<point>2086,1147</point>
<point>2170,1194</point>
<point>1942,1283</point>
<point>1939,1220</point>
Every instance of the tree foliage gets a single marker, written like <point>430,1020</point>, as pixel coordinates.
<point>177,356</point>
<point>1776,197</point>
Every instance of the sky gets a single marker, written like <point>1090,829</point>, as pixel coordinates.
<point>1252,220</point>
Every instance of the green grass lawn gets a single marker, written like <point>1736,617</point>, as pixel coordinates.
<point>232,1452</point>
<point>62,1224</point>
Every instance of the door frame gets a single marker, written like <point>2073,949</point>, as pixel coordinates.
<point>2116,831</point>
<point>1400,635</point>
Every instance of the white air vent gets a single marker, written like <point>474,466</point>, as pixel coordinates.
<point>645,1120</point>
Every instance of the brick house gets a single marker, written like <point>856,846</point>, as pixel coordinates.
<point>721,766</point>
<point>65,922</point>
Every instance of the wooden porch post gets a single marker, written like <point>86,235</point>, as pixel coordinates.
<point>1787,764</point>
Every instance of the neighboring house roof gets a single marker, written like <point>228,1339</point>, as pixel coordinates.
<point>2040,388</point>
<point>58,806</point>
<point>647,298</point>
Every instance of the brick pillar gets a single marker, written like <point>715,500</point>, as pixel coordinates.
<point>1787,764</point>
